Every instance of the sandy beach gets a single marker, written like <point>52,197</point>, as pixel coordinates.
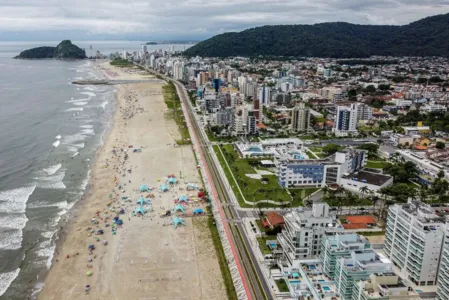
<point>146,257</point>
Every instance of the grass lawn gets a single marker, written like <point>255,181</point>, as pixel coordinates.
<point>345,202</point>
<point>121,63</point>
<point>282,285</point>
<point>299,194</point>
<point>263,246</point>
<point>222,260</point>
<point>311,155</point>
<point>173,103</point>
<point>375,164</point>
<point>251,188</point>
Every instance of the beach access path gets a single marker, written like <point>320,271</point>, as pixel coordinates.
<point>147,258</point>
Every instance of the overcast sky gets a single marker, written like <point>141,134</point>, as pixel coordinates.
<point>191,19</point>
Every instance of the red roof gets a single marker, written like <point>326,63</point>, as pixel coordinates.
<point>361,220</point>
<point>354,226</point>
<point>272,219</point>
<point>261,126</point>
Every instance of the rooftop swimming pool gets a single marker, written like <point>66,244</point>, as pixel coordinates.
<point>326,288</point>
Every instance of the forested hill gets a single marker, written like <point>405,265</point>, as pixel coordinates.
<point>426,37</point>
<point>64,50</point>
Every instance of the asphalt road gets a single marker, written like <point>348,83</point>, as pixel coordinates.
<point>259,287</point>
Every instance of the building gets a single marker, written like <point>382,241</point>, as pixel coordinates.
<point>336,246</point>
<point>427,108</point>
<point>443,274</point>
<point>357,180</point>
<point>400,139</point>
<point>346,120</point>
<point>303,230</point>
<point>364,112</point>
<point>300,118</point>
<point>296,170</point>
<point>383,286</point>
<point>272,219</point>
<point>413,241</point>
<point>360,265</point>
<point>264,95</point>
<point>251,127</point>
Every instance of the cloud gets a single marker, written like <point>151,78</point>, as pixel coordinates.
<point>196,18</point>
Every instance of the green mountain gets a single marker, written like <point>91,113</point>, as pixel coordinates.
<point>65,50</point>
<point>426,37</point>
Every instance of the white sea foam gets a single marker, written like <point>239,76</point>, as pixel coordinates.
<point>47,252</point>
<point>103,104</point>
<point>11,239</point>
<point>74,109</point>
<point>52,169</point>
<point>75,154</point>
<point>88,88</point>
<point>58,137</point>
<point>13,221</point>
<point>39,204</point>
<point>73,139</point>
<point>14,201</point>
<point>87,126</point>
<point>78,100</point>
<point>6,279</point>
<point>88,131</point>
<point>80,103</point>
<point>85,182</point>
<point>52,182</point>
<point>90,94</point>
<point>56,144</point>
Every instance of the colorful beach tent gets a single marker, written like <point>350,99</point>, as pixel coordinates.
<point>144,188</point>
<point>164,188</point>
<point>192,186</point>
<point>140,210</point>
<point>143,201</point>
<point>198,211</point>
<point>171,180</point>
<point>183,198</point>
<point>179,208</point>
<point>177,221</point>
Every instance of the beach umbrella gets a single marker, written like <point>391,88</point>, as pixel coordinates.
<point>89,273</point>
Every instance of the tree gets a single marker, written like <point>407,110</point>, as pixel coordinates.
<point>371,148</point>
<point>364,190</point>
<point>370,89</point>
<point>330,149</point>
<point>440,145</point>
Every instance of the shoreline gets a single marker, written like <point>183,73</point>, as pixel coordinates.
<point>68,220</point>
<point>67,276</point>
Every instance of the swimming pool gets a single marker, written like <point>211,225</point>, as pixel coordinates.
<point>295,281</point>
<point>326,288</point>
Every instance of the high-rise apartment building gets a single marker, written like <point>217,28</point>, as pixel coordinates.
<point>443,273</point>
<point>264,95</point>
<point>300,118</point>
<point>413,241</point>
<point>364,112</point>
<point>304,229</point>
<point>346,120</point>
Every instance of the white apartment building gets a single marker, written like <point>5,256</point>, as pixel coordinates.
<point>304,229</point>
<point>264,95</point>
<point>427,108</point>
<point>300,118</point>
<point>443,273</point>
<point>413,241</point>
<point>346,120</point>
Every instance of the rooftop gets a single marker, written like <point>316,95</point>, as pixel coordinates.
<point>368,177</point>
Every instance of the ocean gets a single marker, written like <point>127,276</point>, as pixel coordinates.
<point>49,133</point>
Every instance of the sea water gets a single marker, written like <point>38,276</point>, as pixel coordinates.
<point>49,133</point>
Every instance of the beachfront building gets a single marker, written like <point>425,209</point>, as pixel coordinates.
<point>304,229</point>
<point>359,266</point>
<point>383,286</point>
<point>443,273</point>
<point>338,245</point>
<point>271,148</point>
<point>357,272</point>
<point>294,171</point>
<point>413,241</point>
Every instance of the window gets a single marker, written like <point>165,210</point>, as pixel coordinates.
<point>307,234</point>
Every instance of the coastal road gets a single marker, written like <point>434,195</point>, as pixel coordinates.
<point>253,273</point>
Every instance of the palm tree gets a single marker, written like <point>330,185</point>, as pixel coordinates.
<point>364,190</point>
